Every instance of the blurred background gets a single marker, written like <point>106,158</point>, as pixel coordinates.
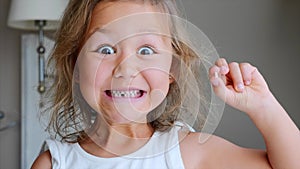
<point>264,33</point>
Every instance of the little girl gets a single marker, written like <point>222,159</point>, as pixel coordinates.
<point>123,78</point>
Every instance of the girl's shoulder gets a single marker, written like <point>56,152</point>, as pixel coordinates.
<point>43,161</point>
<point>217,152</point>
<point>52,157</point>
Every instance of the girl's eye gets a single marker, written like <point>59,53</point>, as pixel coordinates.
<point>106,50</point>
<point>146,51</point>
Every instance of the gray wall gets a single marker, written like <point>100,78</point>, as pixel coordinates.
<point>9,89</point>
<point>265,33</point>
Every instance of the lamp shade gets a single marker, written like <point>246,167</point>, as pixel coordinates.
<point>24,13</point>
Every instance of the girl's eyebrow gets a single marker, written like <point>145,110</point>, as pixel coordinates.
<point>142,30</point>
<point>97,29</point>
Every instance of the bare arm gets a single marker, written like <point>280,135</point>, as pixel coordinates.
<point>217,152</point>
<point>281,135</point>
<point>243,87</point>
<point>43,161</point>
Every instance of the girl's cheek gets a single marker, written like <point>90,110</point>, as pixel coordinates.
<point>102,73</point>
<point>158,80</point>
<point>88,78</point>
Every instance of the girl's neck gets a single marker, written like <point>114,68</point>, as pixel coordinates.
<point>133,130</point>
<point>110,140</point>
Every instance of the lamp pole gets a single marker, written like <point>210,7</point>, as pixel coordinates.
<point>41,52</point>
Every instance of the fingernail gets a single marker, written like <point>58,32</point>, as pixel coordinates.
<point>240,86</point>
<point>247,82</point>
<point>215,79</point>
<point>216,75</point>
<point>215,82</point>
<point>223,69</point>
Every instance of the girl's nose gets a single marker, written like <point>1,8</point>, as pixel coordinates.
<point>127,68</point>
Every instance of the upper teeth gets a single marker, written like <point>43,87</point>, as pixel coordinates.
<point>131,93</point>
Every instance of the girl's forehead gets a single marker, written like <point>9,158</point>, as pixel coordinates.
<point>107,11</point>
<point>128,17</point>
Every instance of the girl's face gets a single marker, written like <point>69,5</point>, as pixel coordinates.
<point>125,62</point>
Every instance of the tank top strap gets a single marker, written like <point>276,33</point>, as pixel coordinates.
<point>58,151</point>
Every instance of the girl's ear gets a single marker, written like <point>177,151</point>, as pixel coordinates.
<point>171,79</point>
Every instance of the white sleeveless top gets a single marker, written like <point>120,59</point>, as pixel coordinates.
<point>162,151</point>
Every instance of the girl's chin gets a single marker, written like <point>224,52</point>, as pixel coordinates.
<point>127,107</point>
<point>124,114</point>
<point>120,120</point>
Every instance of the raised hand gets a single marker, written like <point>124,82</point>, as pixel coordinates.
<point>240,85</point>
<point>243,87</point>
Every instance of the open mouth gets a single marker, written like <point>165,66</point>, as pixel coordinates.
<point>125,93</point>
